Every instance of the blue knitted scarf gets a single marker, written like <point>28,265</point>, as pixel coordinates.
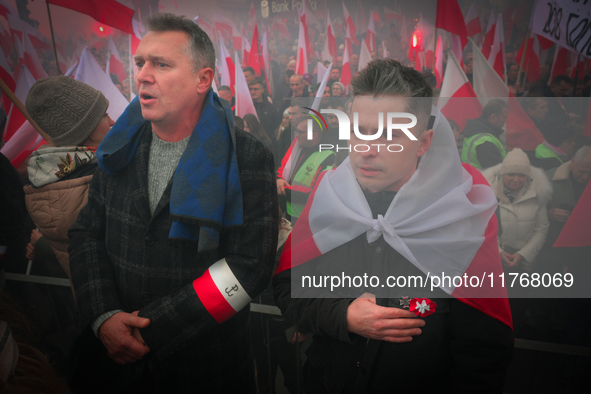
<point>206,193</point>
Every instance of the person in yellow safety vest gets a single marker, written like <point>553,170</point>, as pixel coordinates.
<point>557,149</point>
<point>301,166</point>
<point>482,147</point>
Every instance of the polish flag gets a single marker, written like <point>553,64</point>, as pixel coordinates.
<point>228,28</point>
<point>497,52</point>
<point>115,63</point>
<point>304,19</point>
<point>449,17</point>
<point>243,99</point>
<point>508,24</point>
<point>349,39</point>
<point>21,29</point>
<point>346,69</point>
<point>489,36</point>
<point>370,36</point>
<point>252,17</point>
<point>578,69</point>
<point>457,100</point>
<point>472,21</point>
<point>28,56</point>
<point>330,44</point>
<point>302,54</point>
<point>390,15</point>
<point>136,37</point>
<point>91,73</point>
<point>364,57</point>
<point>6,76</point>
<point>439,63</point>
<point>109,12</point>
<point>361,17</point>
<point>25,141</point>
<point>320,71</point>
<point>265,57</point>
<point>5,41</point>
<point>350,24</point>
<point>245,51</point>
<point>487,82</point>
<point>531,63</point>
<point>14,118</point>
<point>559,64</point>
<point>254,56</point>
<point>6,10</point>
<point>577,230</point>
<point>228,68</point>
<point>428,232</point>
<point>280,27</point>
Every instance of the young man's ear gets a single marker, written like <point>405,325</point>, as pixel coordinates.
<point>425,140</point>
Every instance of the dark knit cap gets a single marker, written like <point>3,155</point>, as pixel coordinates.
<point>66,109</point>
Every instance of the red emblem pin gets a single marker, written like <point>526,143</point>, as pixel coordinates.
<point>422,306</point>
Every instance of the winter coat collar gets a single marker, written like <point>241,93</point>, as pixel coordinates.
<point>538,185</point>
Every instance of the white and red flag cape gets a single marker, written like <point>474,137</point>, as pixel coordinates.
<point>442,221</point>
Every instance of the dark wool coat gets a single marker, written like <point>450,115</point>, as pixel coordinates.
<point>121,258</point>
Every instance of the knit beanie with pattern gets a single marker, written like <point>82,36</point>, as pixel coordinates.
<point>516,162</point>
<point>66,109</point>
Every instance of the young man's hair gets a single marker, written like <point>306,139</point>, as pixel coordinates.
<point>257,81</point>
<point>200,49</point>
<point>493,107</point>
<point>249,69</point>
<point>223,88</point>
<point>389,78</point>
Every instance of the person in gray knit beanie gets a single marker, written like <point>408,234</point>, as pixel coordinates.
<point>66,109</point>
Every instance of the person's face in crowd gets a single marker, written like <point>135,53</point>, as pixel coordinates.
<point>256,92</point>
<point>468,63</point>
<point>248,76</point>
<point>335,74</point>
<point>354,61</point>
<point>336,90</point>
<point>285,121</point>
<point>226,95</point>
<point>568,146</point>
<point>296,114</point>
<point>326,91</point>
<point>373,55</point>
<point>291,66</point>
<point>331,120</point>
<point>377,169</point>
<point>514,181</point>
<point>561,89</point>
<point>509,57</point>
<point>297,85</point>
<point>339,61</point>
<point>302,135</point>
<point>499,120</point>
<point>457,133</point>
<point>125,85</point>
<point>582,170</point>
<point>167,84</point>
<point>283,60</point>
<point>539,111</point>
<point>100,131</point>
<point>513,70</point>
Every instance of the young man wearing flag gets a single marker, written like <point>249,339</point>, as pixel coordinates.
<point>179,233</point>
<point>387,214</point>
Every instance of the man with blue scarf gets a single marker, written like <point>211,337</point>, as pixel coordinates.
<point>179,233</point>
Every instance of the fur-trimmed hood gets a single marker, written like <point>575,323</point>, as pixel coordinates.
<point>539,183</point>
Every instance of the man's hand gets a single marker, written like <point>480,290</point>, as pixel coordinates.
<point>366,318</point>
<point>281,185</point>
<point>116,335</point>
<point>559,215</point>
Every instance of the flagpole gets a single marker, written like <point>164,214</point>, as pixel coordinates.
<point>523,54</point>
<point>57,64</point>
<point>434,49</point>
<point>23,110</point>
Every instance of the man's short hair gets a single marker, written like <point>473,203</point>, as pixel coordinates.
<point>249,69</point>
<point>531,101</point>
<point>256,81</point>
<point>493,107</point>
<point>582,153</point>
<point>200,49</point>
<point>223,88</point>
<point>298,102</point>
<point>299,76</point>
<point>561,78</point>
<point>389,78</point>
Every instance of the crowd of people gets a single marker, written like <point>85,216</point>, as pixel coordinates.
<point>170,222</point>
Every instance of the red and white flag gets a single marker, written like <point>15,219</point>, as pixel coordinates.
<point>489,36</point>
<point>24,141</point>
<point>5,41</point>
<point>346,69</point>
<point>390,15</point>
<point>360,19</point>
<point>487,82</point>
<point>330,44</point>
<point>439,63</point>
<point>28,56</point>
<point>305,19</point>
<point>228,68</point>
<point>577,230</point>
<point>265,57</point>
<point>20,28</point>
<point>14,117</point>
<point>428,231</point>
<point>302,53</point>
<point>91,73</point>
<point>349,39</point>
<point>350,24</point>
<point>279,26</point>
<point>252,17</point>
<point>109,12</point>
<point>472,21</point>
<point>6,76</point>
<point>136,37</point>
<point>531,63</point>
<point>578,68</point>
<point>115,63</point>
<point>449,17</point>
<point>559,65</point>
<point>364,57</point>
<point>245,51</point>
<point>243,99</point>
<point>497,51</point>
<point>254,56</point>
<point>457,100</point>
<point>228,29</point>
<point>6,10</point>
<point>370,36</point>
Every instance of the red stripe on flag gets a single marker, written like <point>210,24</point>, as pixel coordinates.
<point>109,12</point>
<point>212,299</point>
